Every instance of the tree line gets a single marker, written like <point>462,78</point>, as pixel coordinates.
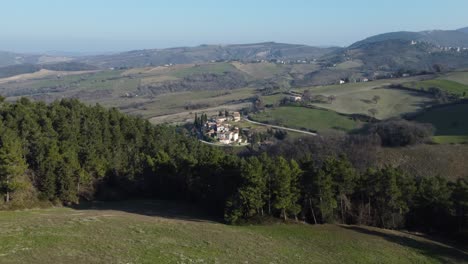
<point>66,151</point>
<point>336,192</point>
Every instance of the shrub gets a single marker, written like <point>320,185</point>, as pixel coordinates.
<point>399,132</point>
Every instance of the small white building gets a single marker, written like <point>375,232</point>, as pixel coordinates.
<point>235,136</point>
<point>294,98</point>
<point>236,116</point>
<point>342,82</point>
<point>220,119</point>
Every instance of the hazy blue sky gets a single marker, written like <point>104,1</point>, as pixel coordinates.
<point>114,25</point>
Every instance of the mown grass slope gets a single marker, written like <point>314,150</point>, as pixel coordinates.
<point>450,123</point>
<point>301,117</point>
<point>449,86</point>
<point>460,77</point>
<point>155,232</point>
<point>447,120</point>
<point>392,103</point>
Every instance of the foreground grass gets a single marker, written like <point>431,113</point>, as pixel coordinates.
<point>148,235</point>
<point>155,232</point>
<point>301,117</point>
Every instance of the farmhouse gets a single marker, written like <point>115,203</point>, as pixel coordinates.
<point>221,119</point>
<point>236,116</point>
<point>294,98</point>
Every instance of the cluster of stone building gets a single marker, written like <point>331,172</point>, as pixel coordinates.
<point>224,133</point>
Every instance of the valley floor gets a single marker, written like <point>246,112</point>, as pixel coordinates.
<point>164,232</point>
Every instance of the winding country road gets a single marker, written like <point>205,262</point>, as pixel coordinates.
<point>280,127</point>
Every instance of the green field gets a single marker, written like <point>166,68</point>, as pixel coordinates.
<point>356,98</point>
<point>215,68</point>
<point>392,103</point>
<point>261,70</point>
<point>450,139</point>
<point>306,118</point>
<point>448,121</point>
<point>128,90</point>
<point>460,77</point>
<point>450,86</point>
<point>156,232</point>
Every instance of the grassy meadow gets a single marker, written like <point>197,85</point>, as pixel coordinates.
<point>392,103</point>
<point>448,120</point>
<point>460,77</point>
<point>356,98</point>
<point>161,232</point>
<point>306,118</point>
<point>449,86</point>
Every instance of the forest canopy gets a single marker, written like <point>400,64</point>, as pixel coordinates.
<point>66,151</point>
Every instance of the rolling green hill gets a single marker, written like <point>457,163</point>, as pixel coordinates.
<point>393,55</point>
<point>155,232</point>
<point>458,76</point>
<point>306,118</point>
<point>13,70</point>
<point>448,120</point>
<point>207,53</point>
<point>449,86</point>
<point>450,123</point>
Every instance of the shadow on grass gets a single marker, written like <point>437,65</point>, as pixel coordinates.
<point>439,252</point>
<point>156,208</point>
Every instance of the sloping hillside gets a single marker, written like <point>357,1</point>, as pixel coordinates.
<point>464,30</point>
<point>206,53</point>
<point>11,58</point>
<point>399,54</point>
<point>12,70</point>
<point>156,232</point>
<point>446,38</point>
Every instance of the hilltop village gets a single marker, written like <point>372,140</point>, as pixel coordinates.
<point>219,129</point>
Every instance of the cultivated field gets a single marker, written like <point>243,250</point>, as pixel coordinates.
<point>157,232</point>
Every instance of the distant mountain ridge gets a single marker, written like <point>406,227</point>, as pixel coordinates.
<point>16,69</point>
<point>445,38</point>
<point>11,58</point>
<point>384,52</point>
<point>464,30</point>
<point>207,53</point>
